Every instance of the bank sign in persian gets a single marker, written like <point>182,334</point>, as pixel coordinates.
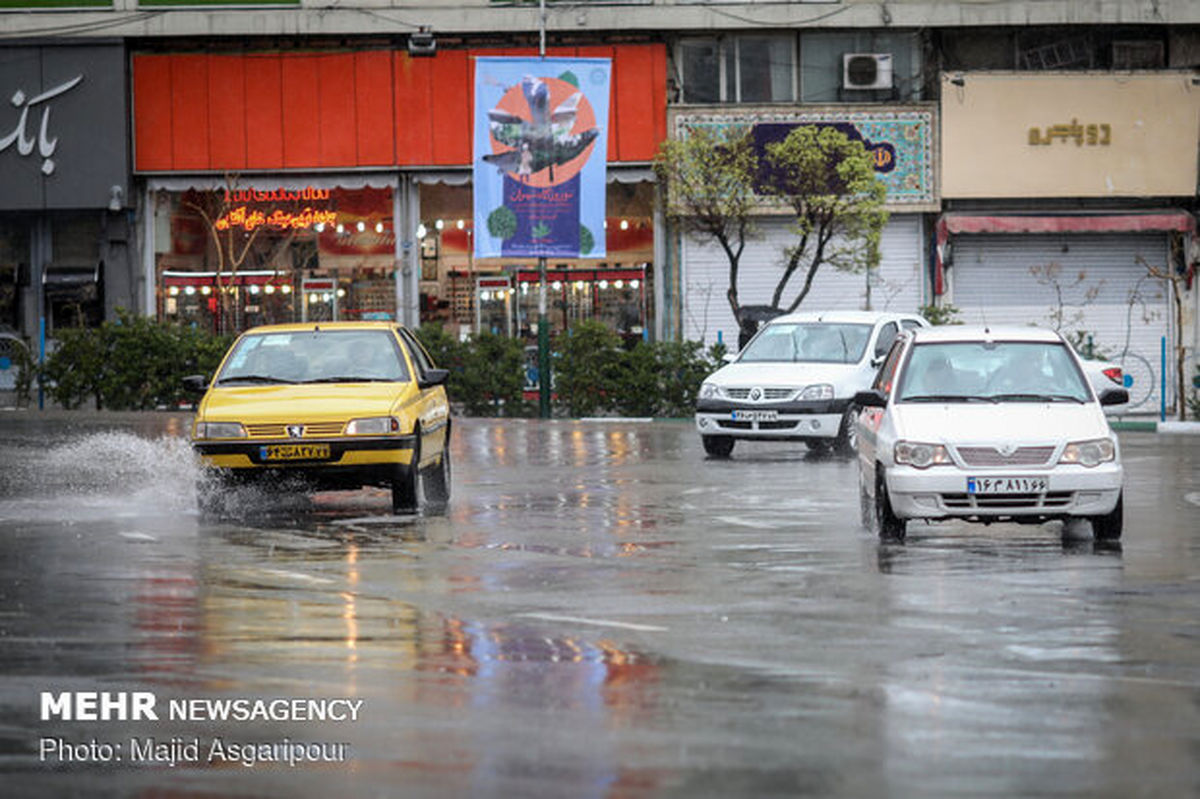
<point>541,131</point>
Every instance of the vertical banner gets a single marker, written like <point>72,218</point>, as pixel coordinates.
<point>540,157</point>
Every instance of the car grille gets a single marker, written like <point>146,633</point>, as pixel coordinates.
<point>990,456</point>
<point>1049,501</point>
<point>313,430</point>
<point>768,394</point>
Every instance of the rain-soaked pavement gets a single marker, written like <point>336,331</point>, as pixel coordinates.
<point>603,613</point>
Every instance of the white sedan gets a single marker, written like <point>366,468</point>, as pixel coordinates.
<point>987,425</point>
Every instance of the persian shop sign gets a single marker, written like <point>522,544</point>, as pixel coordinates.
<point>248,218</point>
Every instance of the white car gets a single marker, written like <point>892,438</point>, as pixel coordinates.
<point>987,425</point>
<point>794,381</point>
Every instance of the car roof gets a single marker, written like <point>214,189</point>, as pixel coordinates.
<point>985,333</point>
<point>300,327</point>
<point>852,317</point>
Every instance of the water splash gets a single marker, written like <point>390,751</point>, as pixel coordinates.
<point>109,474</point>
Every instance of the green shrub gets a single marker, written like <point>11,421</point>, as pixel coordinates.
<point>492,379</point>
<point>130,363</point>
<point>586,368</point>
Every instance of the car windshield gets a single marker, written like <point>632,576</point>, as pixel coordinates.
<point>994,371</point>
<point>315,356</point>
<point>821,342</point>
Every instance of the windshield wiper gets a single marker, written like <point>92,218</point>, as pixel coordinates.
<point>946,398</point>
<point>350,379</point>
<point>1036,398</point>
<point>253,379</point>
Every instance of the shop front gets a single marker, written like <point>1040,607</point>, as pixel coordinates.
<point>275,251</point>
<point>353,199</point>
<point>65,255</point>
<point>1083,203</point>
<point>902,142</point>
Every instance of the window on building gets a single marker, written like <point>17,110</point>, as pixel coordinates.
<point>823,69</point>
<point>750,68</point>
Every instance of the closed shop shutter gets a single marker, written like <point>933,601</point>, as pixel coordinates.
<point>1089,283</point>
<point>898,284</point>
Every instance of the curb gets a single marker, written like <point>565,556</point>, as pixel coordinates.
<point>1155,426</point>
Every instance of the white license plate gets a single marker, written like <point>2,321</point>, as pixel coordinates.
<point>756,416</point>
<point>1006,485</point>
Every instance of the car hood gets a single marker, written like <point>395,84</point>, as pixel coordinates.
<point>1012,422</point>
<point>334,401</point>
<point>776,373</point>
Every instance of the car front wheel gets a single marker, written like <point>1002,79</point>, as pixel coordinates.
<point>405,481</point>
<point>846,442</point>
<point>890,526</point>
<point>717,446</point>
<point>1109,526</point>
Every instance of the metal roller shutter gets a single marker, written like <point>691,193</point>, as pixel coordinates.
<point>898,284</point>
<point>1103,288</point>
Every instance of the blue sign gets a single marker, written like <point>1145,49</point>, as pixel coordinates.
<point>540,156</point>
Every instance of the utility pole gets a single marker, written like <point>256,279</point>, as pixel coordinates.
<point>543,319</point>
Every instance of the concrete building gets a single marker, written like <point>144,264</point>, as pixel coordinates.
<point>1043,155</point>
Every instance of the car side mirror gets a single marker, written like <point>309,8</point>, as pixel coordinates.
<point>878,360</point>
<point>195,384</point>
<point>1114,396</point>
<point>872,398</point>
<point>729,357</point>
<point>434,377</point>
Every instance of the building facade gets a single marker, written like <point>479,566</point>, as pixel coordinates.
<point>1043,160</point>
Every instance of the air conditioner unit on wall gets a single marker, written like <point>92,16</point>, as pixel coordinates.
<point>867,71</point>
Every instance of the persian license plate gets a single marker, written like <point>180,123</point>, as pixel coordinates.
<point>755,416</point>
<point>1006,485</point>
<point>294,452</point>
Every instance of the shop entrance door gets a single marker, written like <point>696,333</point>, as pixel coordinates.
<point>319,300</point>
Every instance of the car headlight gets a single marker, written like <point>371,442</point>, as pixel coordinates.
<point>1089,453</point>
<point>820,391</point>
<point>922,456</point>
<point>219,430</point>
<point>375,426</point>
<point>709,390</point>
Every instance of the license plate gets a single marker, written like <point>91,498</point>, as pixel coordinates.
<point>294,452</point>
<point>1006,485</point>
<point>755,416</point>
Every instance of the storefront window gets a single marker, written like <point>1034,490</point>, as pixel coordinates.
<point>229,260</point>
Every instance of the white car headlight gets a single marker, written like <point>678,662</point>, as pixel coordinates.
<point>1089,453</point>
<point>375,426</point>
<point>219,430</point>
<point>820,391</point>
<point>921,456</point>
<point>709,390</point>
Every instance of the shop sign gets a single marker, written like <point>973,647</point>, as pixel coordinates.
<point>540,156</point>
<point>63,128</point>
<point>900,142</point>
<point>249,219</point>
<point>1069,134</point>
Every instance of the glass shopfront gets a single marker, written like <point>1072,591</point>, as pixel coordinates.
<point>469,295</point>
<point>230,259</point>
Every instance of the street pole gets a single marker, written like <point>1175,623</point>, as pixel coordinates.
<point>543,320</point>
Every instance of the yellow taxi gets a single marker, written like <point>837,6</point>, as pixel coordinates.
<point>339,405</point>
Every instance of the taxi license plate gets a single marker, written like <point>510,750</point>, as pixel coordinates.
<point>294,452</point>
<point>755,416</point>
<point>1006,485</point>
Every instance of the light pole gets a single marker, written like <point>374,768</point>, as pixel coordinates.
<point>543,318</point>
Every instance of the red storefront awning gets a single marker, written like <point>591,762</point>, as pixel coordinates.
<point>1166,221</point>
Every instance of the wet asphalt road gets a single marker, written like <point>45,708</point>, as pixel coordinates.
<point>603,613</point>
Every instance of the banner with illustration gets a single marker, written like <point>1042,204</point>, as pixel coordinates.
<point>540,156</point>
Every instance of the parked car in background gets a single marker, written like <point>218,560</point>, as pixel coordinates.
<point>336,405</point>
<point>796,379</point>
<point>987,425</point>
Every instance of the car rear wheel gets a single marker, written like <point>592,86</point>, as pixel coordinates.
<point>890,526</point>
<point>405,481</point>
<point>717,446</point>
<point>1109,526</point>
